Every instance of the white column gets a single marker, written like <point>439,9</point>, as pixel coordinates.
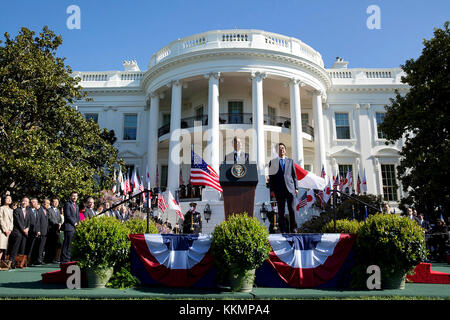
<point>259,145</point>
<point>213,148</point>
<point>152,147</point>
<point>173,175</point>
<point>319,134</point>
<point>258,122</point>
<point>296,122</point>
<point>213,120</point>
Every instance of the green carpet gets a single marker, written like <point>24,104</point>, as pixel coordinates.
<point>27,284</point>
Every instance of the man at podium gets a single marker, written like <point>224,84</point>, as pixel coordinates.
<point>283,183</point>
<point>237,156</point>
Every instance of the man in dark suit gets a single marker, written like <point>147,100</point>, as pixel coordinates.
<point>237,156</point>
<point>42,230</point>
<point>30,249</point>
<point>71,220</point>
<point>19,234</point>
<point>54,225</point>
<point>283,183</point>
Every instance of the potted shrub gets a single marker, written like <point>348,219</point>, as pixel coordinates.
<point>239,246</point>
<point>394,243</point>
<point>100,244</point>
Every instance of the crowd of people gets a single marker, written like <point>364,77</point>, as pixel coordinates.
<point>436,234</point>
<point>34,232</point>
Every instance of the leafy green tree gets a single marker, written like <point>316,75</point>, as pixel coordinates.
<point>422,117</point>
<point>47,147</point>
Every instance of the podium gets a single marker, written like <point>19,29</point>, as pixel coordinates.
<point>238,182</point>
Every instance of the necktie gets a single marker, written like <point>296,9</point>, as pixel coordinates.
<point>235,157</point>
<point>74,208</point>
<point>282,164</point>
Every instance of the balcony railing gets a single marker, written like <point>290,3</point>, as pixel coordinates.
<point>248,39</point>
<point>236,118</point>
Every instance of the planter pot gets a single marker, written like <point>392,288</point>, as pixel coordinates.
<point>395,281</point>
<point>98,278</point>
<point>242,281</point>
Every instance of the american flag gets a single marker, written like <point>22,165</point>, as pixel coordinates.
<point>162,203</point>
<point>322,173</point>
<point>202,174</point>
<point>302,202</point>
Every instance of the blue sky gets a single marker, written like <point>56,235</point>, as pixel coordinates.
<point>112,31</point>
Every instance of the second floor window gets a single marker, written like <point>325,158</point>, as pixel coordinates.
<point>380,119</point>
<point>235,111</point>
<point>130,127</point>
<point>93,116</point>
<point>342,126</point>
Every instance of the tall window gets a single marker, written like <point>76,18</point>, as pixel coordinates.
<point>389,182</point>
<point>164,174</point>
<point>380,119</point>
<point>130,127</point>
<point>199,113</point>
<point>166,119</point>
<point>305,120</point>
<point>271,112</point>
<point>342,126</point>
<point>93,116</point>
<point>235,111</point>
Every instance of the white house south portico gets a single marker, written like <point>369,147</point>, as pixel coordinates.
<point>266,88</point>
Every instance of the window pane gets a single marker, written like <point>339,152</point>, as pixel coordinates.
<point>93,116</point>
<point>389,182</point>
<point>130,127</point>
<point>305,119</point>
<point>380,119</point>
<point>342,126</point>
<point>235,112</point>
<point>164,172</point>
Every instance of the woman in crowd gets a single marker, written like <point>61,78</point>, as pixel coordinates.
<point>6,226</point>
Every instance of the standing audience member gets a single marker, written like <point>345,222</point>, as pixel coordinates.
<point>99,209</point>
<point>54,225</point>
<point>42,226</point>
<point>89,212</point>
<point>32,233</point>
<point>6,227</point>
<point>71,220</point>
<point>423,223</point>
<point>60,240</point>
<point>386,208</point>
<point>410,215</point>
<point>19,234</point>
<point>439,236</point>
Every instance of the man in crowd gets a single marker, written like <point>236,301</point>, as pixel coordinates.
<point>19,234</point>
<point>89,212</point>
<point>42,231</point>
<point>54,226</point>
<point>33,232</point>
<point>71,220</point>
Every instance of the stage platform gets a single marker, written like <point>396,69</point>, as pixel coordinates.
<point>27,284</point>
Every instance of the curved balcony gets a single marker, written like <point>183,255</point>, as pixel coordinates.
<point>225,39</point>
<point>236,118</point>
